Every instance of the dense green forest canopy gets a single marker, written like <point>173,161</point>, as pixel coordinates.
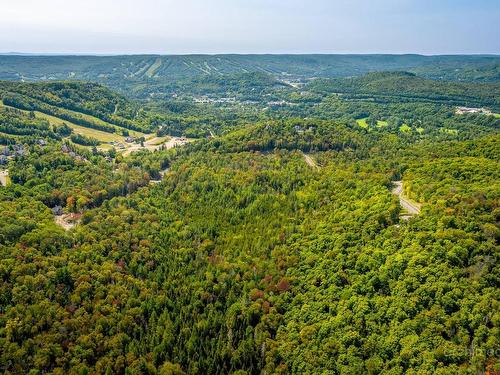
<point>272,243</point>
<point>399,86</point>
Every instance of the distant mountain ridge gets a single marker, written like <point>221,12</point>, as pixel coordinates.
<point>480,68</point>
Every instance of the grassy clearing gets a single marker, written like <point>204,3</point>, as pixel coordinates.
<point>104,147</point>
<point>104,137</point>
<point>102,122</point>
<point>155,141</point>
<point>450,131</point>
<point>362,122</point>
<point>88,132</point>
<point>404,128</point>
<point>4,177</point>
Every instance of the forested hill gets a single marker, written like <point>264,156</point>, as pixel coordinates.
<point>271,244</point>
<point>118,70</point>
<point>401,86</point>
<point>86,104</point>
<point>247,260</point>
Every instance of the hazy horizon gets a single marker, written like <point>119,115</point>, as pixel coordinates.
<point>100,27</point>
<point>83,54</point>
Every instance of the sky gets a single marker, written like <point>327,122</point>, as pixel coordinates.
<point>250,26</point>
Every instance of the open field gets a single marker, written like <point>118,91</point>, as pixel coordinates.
<point>153,68</point>
<point>89,132</point>
<point>100,122</point>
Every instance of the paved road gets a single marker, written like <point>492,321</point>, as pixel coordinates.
<point>412,208</point>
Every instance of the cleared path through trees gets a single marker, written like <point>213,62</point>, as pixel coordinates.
<point>310,161</point>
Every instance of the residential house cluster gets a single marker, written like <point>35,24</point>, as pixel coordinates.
<point>71,153</point>
<point>117,145</point>
<point>11,151</point>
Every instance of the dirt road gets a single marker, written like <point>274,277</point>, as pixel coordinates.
<point>310,161</point>
<point>4,176</point>
<point>67,221</point>
<point>411,207</point>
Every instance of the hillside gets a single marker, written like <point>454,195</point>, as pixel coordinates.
<point>83,113</point>
<point>246,259</point>
<point>124,72</point>
<point>404,86</point>
<point>272,243</point>
<point>75,100</point>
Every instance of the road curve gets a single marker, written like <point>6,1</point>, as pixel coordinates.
<point>412,208</point>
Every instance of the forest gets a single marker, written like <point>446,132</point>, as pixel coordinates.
<point>271,241</point>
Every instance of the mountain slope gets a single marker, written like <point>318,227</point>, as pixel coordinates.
<point>118,71</point>
<point>86,104</point>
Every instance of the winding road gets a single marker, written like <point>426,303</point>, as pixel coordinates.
<point>411,207</point>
